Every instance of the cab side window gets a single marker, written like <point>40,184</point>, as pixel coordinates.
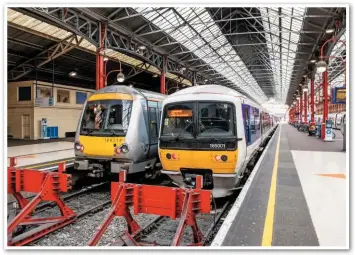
<point>153,127</point>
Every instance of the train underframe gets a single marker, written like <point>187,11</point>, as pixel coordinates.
<point>101,168</point>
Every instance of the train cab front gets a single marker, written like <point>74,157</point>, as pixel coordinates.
<point>199,138</point>
<point>100,144</point>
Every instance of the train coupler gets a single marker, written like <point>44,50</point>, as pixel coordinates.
<point>47,186</point>
<point>183,203</point>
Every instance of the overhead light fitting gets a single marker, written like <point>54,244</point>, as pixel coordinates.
<point>131,85</point>
<point>313,61</point>
<point>321,66</point>
<point>72,73</point>
<point>305,89</point>
<point>105,58</point>
<point>155,75</point>
<point>183,69</point>
<point>120,77</point>
<point>206,80</point>
<point>142,47</point>
<point>298,98</point>
<point>329,30</point>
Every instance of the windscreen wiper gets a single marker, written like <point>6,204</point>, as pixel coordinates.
<point>177,137</point>
<point>204,127</point>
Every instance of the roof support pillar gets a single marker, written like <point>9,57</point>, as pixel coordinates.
<point>325,101</point>
<point>305,99</point>
<point>162,76</point>
<point>312,101</point>
<point>100,70</point>
<point>301,107</point>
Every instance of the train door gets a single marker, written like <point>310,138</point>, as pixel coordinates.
<point>246,119</point>
<point>153,113</point>
<point>26,124</point>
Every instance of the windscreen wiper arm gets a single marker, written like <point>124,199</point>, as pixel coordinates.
<point>204,127</point>
<point>177,137</point>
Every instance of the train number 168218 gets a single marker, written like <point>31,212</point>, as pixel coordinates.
<point>217,146</point>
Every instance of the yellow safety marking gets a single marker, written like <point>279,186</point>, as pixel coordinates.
<point>342,176</point>
<point>269,220</point>
<point>27,156</point>
<point>46,164</point>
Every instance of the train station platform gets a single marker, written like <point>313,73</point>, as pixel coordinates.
<point>44,156</point>
<point>295,196</point>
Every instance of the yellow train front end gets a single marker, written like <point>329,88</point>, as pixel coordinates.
<point>101,134</point>
<point>199,138</point>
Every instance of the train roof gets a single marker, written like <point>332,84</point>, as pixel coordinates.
<point>130,90</point>
<point>217,90</point>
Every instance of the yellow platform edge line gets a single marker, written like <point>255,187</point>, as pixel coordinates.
<point>269,219</point>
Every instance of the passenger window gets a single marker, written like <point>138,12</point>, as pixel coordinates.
<point>153,124</point>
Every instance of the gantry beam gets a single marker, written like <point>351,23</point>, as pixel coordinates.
<point>45,56</point>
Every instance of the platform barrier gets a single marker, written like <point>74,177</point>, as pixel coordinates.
<point>164,201</point>
<point>47,186</point>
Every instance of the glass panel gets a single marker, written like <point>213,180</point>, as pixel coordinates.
<point>80,97</point>
<point>178,119</point>
<point>24,93</point>
<point>106,117</point>
<point>215,119</point>
<point>63,96</point>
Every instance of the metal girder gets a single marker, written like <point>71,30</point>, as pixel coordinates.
<point>50,71</point>
<point>137,70</point>
<point>85,23</point>
<point>45,56</point>
<point>127,45</point>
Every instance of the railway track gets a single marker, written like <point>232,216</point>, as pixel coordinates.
<point>83,202</point>
<point>157,230</point>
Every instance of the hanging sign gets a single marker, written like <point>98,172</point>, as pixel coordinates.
<point>339,95</point>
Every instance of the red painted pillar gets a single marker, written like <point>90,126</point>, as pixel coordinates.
<point>312,101</point>
<point>100,76</point>
<point>325,101</point>
<point>162,77</point>
<point>305,107</point>
<point>301,107</point>
<point>100,72</point>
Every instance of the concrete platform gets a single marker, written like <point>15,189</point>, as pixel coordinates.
<point>296,196</point>
<point>39,154</point>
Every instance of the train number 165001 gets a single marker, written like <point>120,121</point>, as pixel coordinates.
<point>217,146</point>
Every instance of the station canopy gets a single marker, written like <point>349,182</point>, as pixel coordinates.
<point>264,53</point>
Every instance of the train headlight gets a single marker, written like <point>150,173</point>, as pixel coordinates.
<point>224,158</point>
<point>77,146</point>
<point>124,148</point>
<point>168,156</point>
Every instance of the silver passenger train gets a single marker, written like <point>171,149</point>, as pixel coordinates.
<point>118,126</point>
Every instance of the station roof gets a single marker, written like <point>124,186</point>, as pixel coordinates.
<point>263,52</point>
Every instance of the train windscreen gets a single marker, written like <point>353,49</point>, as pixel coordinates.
<point>178,120</point>
<point>106,117</point>
<point>198,119</point>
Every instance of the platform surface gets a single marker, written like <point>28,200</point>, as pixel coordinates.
<point>295,208</point>
<point>39,154</point>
